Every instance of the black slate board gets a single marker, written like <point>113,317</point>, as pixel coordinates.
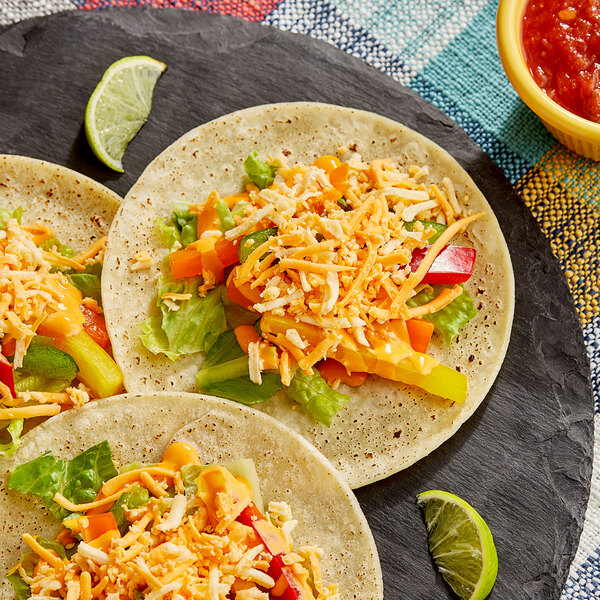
<point>524,460</point>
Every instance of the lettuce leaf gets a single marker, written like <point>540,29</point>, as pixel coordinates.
<point>259,172</point>
<point>315,397</point>
<point>169,235</point>
<point>186,223</point>
<point>6,214</point>
<point>154,338</point>
<point>78,480</point>
<point>184,331</point>
<point>226,221</point>
<point>225,373</point>
<point>447,321</point>
<point>137,497</point>
<point>15,428</point>
<point>189,475</point>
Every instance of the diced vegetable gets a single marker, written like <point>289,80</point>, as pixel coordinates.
<point>78,480</point>
<point>95,327</point>
<point>259,172</point>
<point>252,241</point>
<point>185,263</point>
<point>438,227</point>
<point>42,358</point>
<point>397,364</point>
<point>227,251</point>
<point>331,370</point>
<point>96,368</point>
<point>420,332</point>
<point>94,526</point>
<point>245,335</point>
<point>454,264</point>
<point>7,375</point>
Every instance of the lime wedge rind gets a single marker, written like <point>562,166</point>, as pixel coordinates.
<point>119,106</point>
<point>460,543</point>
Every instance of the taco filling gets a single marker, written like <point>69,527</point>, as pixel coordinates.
<point>315,275</point>
<point>173,530</point>
<point>55,348</point>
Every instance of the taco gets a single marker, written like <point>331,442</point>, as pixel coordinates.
<point>236,200</point>
<point>160,495</point>
<point>53,226</point>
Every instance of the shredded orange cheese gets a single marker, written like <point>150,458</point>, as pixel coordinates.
<point>344,269</point>
<point>180,547</point>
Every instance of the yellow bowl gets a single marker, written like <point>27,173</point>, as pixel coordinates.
<point>579,134</point>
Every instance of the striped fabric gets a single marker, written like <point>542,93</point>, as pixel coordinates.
<point>445,50</point>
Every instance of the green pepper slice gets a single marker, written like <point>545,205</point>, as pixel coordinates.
<point>252,241</point>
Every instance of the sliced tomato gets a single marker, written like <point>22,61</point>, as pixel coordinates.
<point>95,327</point>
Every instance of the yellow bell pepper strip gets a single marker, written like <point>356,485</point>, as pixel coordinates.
<point>96,368</point>
<point>398,361</point>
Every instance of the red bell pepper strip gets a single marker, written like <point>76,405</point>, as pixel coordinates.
<point>271,537</point>
<point>6,375</point>
<point>454,264</point>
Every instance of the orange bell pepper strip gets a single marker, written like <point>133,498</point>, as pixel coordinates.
<point>244,295</point>
<point>185,263</point>
<point>245,335</point>
<point>339,178</point>
<point>420,332</point>
<point>94,526</point>
<point>227,251</point>
<point>331,371</point>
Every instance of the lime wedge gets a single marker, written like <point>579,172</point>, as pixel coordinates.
<point>460,543</point>
<point>119,106</point>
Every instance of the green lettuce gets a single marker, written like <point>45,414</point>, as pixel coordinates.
<point>225,373</point>
<point>259,172</point>
<point>183,331</point>
<point>186,223</point>
<point>88,281</point>
<point>226,221</point>
<point>15,428</point>
<point>315,397</point>
<point>6,214</point>
<point>189,475</point>
<point>447,321</point>
<point>169,235</point>
<point>78,480</point>
<point>137,497</point>
<point>54,243</point>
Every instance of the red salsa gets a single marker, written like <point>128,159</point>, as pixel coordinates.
<point>561,43</point>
